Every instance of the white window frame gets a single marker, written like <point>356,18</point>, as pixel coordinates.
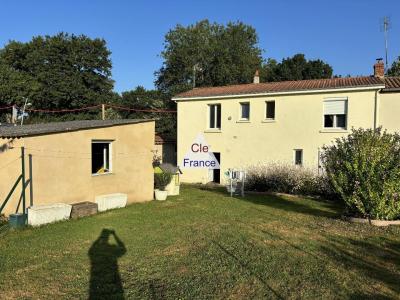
<point>335,127</point>
<point>210,106</point>
<point>241,111</point>
<point>110,156</point>
<point>302,157</point>
<point>265,110</point>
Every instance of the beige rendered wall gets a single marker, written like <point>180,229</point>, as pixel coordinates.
<point>298,125</point>
<point>389,111</point>
<point>62,165</point>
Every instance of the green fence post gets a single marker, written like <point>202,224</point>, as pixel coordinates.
<point>30,180</point>
<point>23,179</point>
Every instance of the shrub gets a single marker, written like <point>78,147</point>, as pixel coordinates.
<point>283,178</point>
<point>364,168</point>
<point>161,180</point>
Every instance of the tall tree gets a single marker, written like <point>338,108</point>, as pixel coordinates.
<point>54,72</point>
<point>295,68</point>
<point>208,54</point>
<point>394,70</point>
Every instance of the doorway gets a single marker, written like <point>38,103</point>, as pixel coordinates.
<point>217,172</point>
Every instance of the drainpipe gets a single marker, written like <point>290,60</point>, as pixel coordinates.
<point>376,109</point>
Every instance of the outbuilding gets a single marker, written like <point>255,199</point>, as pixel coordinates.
<point>77,161</point>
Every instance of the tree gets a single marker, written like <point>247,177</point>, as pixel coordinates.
<point>208,54</point>
<point>394,70</point>
<point>295,68</point>
<point>142,99</point>
<point>56,72</point>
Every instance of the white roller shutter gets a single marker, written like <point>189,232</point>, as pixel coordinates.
<point>335,107</point>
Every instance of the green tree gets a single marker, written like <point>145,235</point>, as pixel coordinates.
<point>56,72</point>
<point>208,54</point>
<point>295,68</point>
<point>394,70</point>
<point>142,99</point>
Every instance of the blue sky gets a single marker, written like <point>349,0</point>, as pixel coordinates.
<point>344,33</point>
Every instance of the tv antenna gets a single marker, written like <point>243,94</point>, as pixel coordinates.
<point>385,26</point>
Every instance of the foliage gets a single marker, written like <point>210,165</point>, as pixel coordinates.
<point>394,70</point>
<point>142,99</point>
<point>56,72</point>
<point>219,55</point>
<point>284,178</point>
<point>295,68</point>
<point>364,168</point>
<point>161,180</point>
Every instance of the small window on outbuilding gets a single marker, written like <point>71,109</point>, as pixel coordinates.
<point>101,157</point>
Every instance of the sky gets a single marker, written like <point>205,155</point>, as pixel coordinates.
<point>344,33</point>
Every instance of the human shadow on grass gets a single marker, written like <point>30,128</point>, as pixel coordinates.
<point>105,280</point>
<point>330,209</point>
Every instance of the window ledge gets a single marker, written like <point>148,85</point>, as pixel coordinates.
<point>212,131</point>
<point>102,174</point>
<point>268,121</point>
<point>243,121</point>
<point>334,130</point>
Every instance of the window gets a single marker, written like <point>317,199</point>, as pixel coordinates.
<point>270,110</point>
<point>335,114</point>
<point>215,116</point>
<point>245,111</point>
<point>101,157</point>
<point>298,157</point>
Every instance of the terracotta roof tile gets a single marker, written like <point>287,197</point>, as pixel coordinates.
<point>392,83</point>
<point>282,86</point>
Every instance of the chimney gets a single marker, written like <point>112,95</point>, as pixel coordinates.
<point>379,68</point>
<point>256,78</point>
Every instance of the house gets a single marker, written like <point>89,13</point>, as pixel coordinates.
<point>165,148</point>
<point>78,160</point>
<point>286,122</point>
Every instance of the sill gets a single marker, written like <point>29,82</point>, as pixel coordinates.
<point>268,121</point>
<point>212,131</point>
<point>243,121</point>
<point>102,174</point>
<point>334,130</point>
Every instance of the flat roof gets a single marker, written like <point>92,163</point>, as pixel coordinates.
<point>59,127</point>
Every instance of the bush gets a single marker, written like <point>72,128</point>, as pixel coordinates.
<point>364,169</point>
<point>161,180</point>
<point>283,178</point>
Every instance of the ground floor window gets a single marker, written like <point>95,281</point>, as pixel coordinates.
<point>101,157</point>
<point>298,157</point>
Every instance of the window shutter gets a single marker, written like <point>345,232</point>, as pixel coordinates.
<point>335,107</point>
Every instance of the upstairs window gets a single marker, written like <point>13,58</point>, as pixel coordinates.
<point>215,116</point>
<point>270,110</point>
<point>245,111</point>
<point>101,157</point>
<point>335,114</point>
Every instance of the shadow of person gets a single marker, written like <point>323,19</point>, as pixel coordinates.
<point>105,280</point>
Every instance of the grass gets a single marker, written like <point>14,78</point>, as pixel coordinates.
<point>204,244</point>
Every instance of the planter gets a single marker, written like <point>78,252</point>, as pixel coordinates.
<point>17,220</point>
<point>111,201</point>
<point>380,223</point>
<point>44,214</point>
<point>83,209</point>
<point>161,195</point>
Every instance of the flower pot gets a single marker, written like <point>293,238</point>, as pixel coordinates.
<point>161,195</point>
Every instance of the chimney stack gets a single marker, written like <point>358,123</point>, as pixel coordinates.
<point>256,78</point>
<point>379,68</point>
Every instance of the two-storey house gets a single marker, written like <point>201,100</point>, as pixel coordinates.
<point>286,122</point>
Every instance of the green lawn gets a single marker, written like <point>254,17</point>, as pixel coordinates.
<point>204,244</point>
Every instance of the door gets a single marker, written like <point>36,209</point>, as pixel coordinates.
<point>217,172</point>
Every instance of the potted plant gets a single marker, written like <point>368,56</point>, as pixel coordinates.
<point>161,180</point>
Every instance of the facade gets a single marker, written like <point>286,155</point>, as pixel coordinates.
<point>79,160</point>
<point>282,122</point>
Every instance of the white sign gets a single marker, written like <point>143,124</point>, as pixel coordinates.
<point>200,155</point>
